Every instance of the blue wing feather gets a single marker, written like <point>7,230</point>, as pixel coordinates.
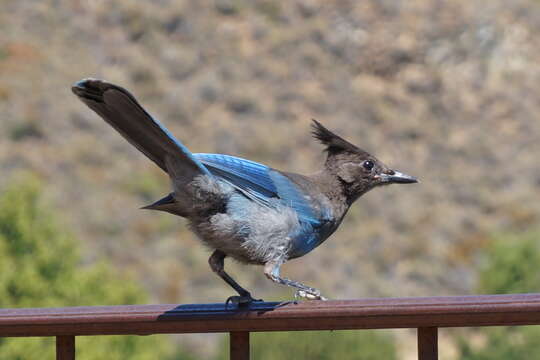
<point>249,177</point>
<point>294,198</point>
<point>259,182</point>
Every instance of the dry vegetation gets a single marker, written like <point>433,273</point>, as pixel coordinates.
<point>445,90</point>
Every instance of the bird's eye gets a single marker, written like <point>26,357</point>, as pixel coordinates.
<point>368,165</point>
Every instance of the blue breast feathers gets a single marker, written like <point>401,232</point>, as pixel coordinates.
<point>260,183</point>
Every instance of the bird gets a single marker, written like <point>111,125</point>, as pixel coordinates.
<point>240,208</point>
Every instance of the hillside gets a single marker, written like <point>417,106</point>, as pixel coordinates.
<point>446,91</point>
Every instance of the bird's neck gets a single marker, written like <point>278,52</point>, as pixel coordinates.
<point>332,187</point>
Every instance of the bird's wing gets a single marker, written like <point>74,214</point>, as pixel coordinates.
<point>247,176</point>
<point>259,182</point>
<point>292,196</point>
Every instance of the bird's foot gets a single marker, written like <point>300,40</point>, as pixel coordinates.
<point>309,294</point>
<point>241,301</point>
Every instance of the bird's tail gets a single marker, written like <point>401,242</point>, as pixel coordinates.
<point>122,111</point>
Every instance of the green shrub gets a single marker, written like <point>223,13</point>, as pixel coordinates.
<point>320,345</point>
<point>511,267</point>
<point>40,267</point>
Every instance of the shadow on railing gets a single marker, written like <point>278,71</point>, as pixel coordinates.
<point>426,314</point>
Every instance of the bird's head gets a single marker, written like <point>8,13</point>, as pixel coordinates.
<point>356,169</point>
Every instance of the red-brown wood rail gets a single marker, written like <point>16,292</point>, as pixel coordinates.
<point>426,314</point>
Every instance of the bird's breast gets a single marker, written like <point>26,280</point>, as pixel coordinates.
<point>307,238</point>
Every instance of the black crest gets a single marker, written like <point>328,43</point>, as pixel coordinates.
<point>334,143</point>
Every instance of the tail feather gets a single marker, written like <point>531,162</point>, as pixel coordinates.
<point>167,204</point>
<point>122,111</point>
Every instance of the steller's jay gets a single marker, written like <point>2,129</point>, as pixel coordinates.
<point>240,208</point>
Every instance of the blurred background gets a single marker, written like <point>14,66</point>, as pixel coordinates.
<point>448,91</point>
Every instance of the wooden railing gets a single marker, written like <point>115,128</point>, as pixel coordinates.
<point>425,314</point>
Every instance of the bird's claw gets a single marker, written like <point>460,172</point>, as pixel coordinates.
<point>311,294</point>
<point>240,301</point>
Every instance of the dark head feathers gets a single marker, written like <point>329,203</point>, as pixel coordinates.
<point>334,143</point>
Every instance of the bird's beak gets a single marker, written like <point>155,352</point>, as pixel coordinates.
<point>395,177</point>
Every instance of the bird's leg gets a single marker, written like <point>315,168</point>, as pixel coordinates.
<point>217,264</point>
<point>271,270</point>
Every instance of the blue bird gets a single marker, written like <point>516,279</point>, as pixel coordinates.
<point>240,208</point>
